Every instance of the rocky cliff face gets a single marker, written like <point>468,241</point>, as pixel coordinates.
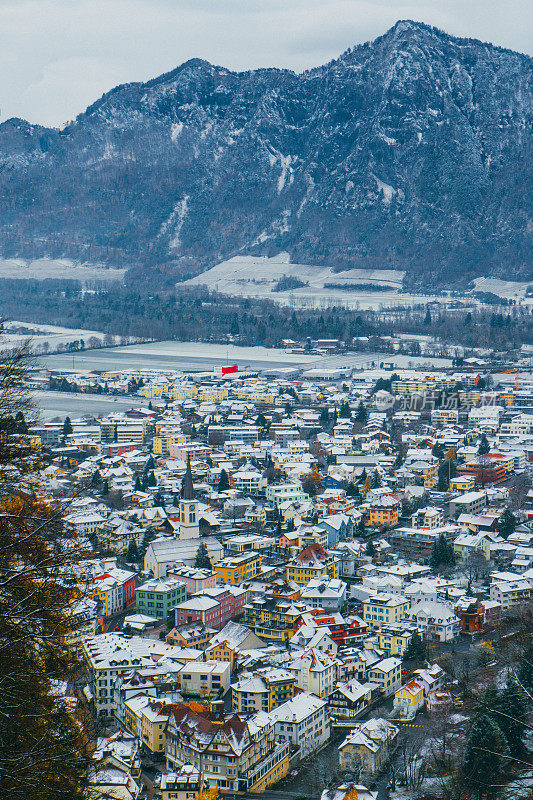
<point>412,151</point>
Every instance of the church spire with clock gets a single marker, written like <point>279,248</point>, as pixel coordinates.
<point>189,528</point>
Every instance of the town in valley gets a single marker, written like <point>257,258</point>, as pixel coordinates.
<point>294,582</point>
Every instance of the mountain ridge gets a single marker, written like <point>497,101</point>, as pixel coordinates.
<point>411,151</point>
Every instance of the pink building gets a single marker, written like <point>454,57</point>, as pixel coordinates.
<point>213,607</point>
<point>196,580</point>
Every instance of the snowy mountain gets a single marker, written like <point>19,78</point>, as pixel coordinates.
<point>411,152</point>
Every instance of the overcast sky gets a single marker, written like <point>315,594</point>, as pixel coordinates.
<point>57,56</point>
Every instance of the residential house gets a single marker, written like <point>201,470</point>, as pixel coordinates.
<point>368,746</point>
<point>384,610</point>
<point>387,674</point>
<point>204,678</point>
<point>351,698</point>
<point>329,595</point>
<point>159,598</point>
<point>313,562</point>
<point>437,621</point>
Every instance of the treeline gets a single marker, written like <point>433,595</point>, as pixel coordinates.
<point>157,310</point>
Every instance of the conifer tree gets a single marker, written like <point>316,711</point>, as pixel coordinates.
<point>202,557</point>
<point>133,552</point>
<point>485,756</point>
<point>223,483</point>
<point>506,523</point>
<point>484,446</point>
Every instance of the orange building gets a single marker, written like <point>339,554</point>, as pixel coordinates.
<point>385,511</point>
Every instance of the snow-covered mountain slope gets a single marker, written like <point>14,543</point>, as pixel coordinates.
<point>412,152</point>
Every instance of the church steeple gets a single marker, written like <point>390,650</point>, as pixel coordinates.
<point>187,487</point>
<point>189,528</point>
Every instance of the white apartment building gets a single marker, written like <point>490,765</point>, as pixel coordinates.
<point>304,722</point>
<point>327,594</point>
<point>315,672</point>
<point>205,678</point>
<point>509,589</point>
<point>285,491</point>
<point>109,655</point>
<point>435,620</point>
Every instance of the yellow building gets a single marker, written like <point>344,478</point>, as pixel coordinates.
<point>161,444</point>
<point>394,639</point>
<point>463,483</point>
<point>313,562</point>
<point>222,651</point>
<point>383,610</point>
<point>154,717</point>
<point>234,754</point>
<point>272,619</point>
<point>236,569</point>
<point>410,698</point>
<point>468,544</point>
<point>263,690</point>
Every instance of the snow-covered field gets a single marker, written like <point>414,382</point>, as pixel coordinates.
<point>47,337</point>
<point>513,290</point>
<point>42,268</point>
<point>257,276</point>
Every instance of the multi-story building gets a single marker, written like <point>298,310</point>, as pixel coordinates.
<point>272,619</point>
<point>304,722</point>
<point>236,569</point>
<point>214,608</point>
<point>469,503</point>
<point>384,609</point>
<point>195,579</point>
<point>159,598</point>
<point>262,690</point>
<point>329,595</point>
<point>394,639</point>
<point>384,511</point>
<point>351,698</point>
<point>344,632</point>
<point>192,635</point>
<point>313,562</point>
<point>387,674</point>
<point>233,754</point>
<point>417,543</point>
<point>437,621</point>
<point>184,784</point>
<point>109,655</point>
<point>368,746</point>
<point>280,493</point>
<point>204,678</point>
<point>510,590</point>
<point>428,517</point>
<point>409,698</point>
<point>315,672</point>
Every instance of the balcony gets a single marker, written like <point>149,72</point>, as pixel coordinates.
<point>280,751</point>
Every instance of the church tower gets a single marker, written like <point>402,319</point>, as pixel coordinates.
<point>189,528</point>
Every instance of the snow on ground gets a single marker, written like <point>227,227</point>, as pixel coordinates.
<point>46,337</point>
<point>177,218</point>
<point>231,353</point>
<point>257,276</point>
<point>41,268</point>
<point>513,290</point>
